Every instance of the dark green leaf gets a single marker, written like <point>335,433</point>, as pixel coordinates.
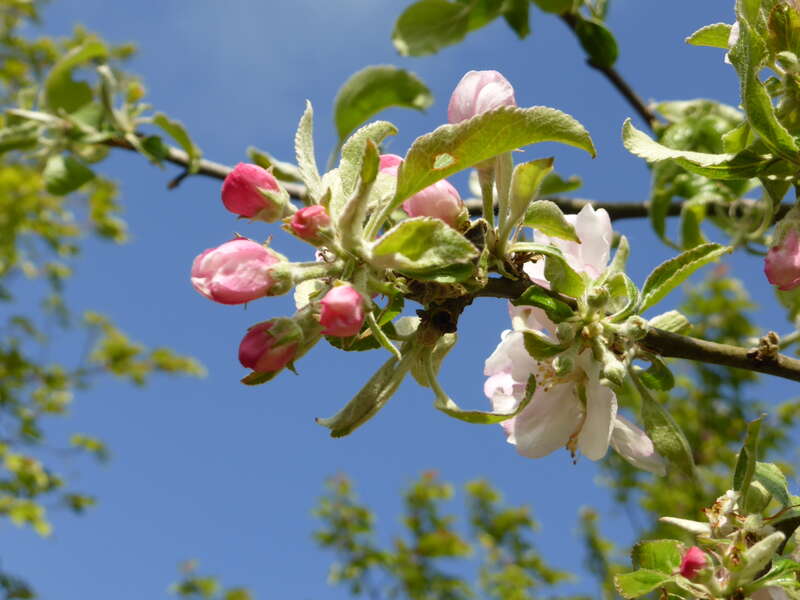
<point>556,310</point>
<point>61,92</point>
<point>597,41</point>
<point>517,15</point>
<point>540,347</point>
<point>748,455</point>
<point>772,478</point>
<point>657,376</point>
<point>427,26</point>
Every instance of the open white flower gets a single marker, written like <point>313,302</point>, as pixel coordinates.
<point>574,410</point>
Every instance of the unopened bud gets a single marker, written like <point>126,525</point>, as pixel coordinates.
<point>693,561</point>
<point>439,200</point>
<point>598,298</point>
<point>563,365</point>
<point>757,498</point>
<point>308,222</point>
<point>342,313</point>
<point>253,192</point>
<point>270,346</point>
<point>479,92</point>
<point>565,332</point>
<point>635,328</point>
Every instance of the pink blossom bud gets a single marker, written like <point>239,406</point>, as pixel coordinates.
<point>694,560</point>
<point>262,352</point>
<point>479,92</point>
<point>307,222</point>
<point>235,272</point>
<point>782,264</point>
<point>390,163</point>
<point>241,196</point>
<point>342,313</point>
<point>440,200</point>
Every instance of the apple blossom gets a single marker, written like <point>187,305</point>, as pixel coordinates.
<point>260,351</point>
<point>234,272</point>
<point>782,264</point>
<point>342,312</point>
<point>693,560</point>
<point>241,195</point>
<point>479,92</point>
<point>307,222</point>
<point>439,200</point>
<point>389,163</point>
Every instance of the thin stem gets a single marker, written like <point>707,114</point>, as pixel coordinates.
<point>380,336</point>
<point>617,80</point>
<point>486,181</point>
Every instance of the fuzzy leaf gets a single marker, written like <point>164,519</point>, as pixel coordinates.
<point>672,321</point>
<point>425,248</point>
<point>485,136</point>
<point>673,272</point>
<point>714,36</point>
<point>373,89</point>
<point>304,151</point>
<point>353,152</point>
<point>743,165</point>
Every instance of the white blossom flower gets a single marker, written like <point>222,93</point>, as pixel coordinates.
<point>574,410</point>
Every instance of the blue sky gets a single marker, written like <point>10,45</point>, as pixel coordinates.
<point>212,470</point>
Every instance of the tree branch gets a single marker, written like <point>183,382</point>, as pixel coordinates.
<point>674,345</point>
<point>616,210</point>
<point>616,80</point>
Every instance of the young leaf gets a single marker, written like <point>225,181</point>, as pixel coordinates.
<point>743,165</point>
<point>713,36</point>
<point>282,170</point>
<point>639,583</point>
<point>663,556</point>
<point>353,152</point>
<point>475,140</point>
<point>555,6</point>
<point>65,174</point>
<point>516,14</point>
<point>425,248</point>
<point>480,417</point>
<point>668,439</point>
<point>540,347</point>
<point>61,92</point>
<point>525,182</point>
<point>597,41</point>
<point>563,278</point>
<point>556,310</point>
<point>772,478</point>
<point>673,272</point>
<point>746,462</point>
<point>672,321</point>
<point>622,288</point>
<point>427,26</point>
<point>373,89</point>
<point>554,184</point>
<point>547,217</point>
<point>657,376</point>
<point>177,132</point>
<point>304,151</point>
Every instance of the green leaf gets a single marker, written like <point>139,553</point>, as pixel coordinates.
<point>746,461</point>
<point>517,15</point>
<point>692,214</point>
<point>743,165</point>
<point>672,321</point>
<point>370,399</point>
<point>547,217</point>
<point>525,181</point>
<point>480,417</point>
<point>555,6</point>
<point>621,288</point>
<point>673,272</point>
<point>668,439</point>
<point>663,556</point>
<point>304,151</point>
<point>783,32</point>
<point>747,56</point>
<point>540,347</point>
<point>563,278</point>
<point>353,153</point>
<point>713,36</point>
<point>554,184</point>
<point>61,92</point>
<point>177,132</point>
<point>772,478</point>
<point>597,41</point>
<point>427,26</point>
<point>482,137</point>
<point>657,376</point>
<point>425,248</point>
<point>639,583</point>
<point>373,89</point>
<point>556,310</point>
<point>282,170</point>
<point>482,12</point>
<point>19,137</point>
<point>65,174</point>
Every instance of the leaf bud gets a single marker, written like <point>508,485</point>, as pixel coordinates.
<point>565,332</point>
<point>598,298</point>
<point>635,328</point>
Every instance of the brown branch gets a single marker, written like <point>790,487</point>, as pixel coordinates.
<point>674,345</point>
<point>616,80</point>
<point>616,210</point>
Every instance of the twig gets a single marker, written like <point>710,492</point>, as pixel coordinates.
<point>616,80</point>
<point>674,345</point>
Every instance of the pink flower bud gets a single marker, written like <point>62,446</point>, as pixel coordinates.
<point>261,352</point>
<point>390,163</point>
<point>342,313</point>
<point>782,264</point>
<point>478,92</point>
<point>307,221</point>
<point>440,200</point>
<point>235,272</point>
<point>694,560</point>
<point>240,193</point>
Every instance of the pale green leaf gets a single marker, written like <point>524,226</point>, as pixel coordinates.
<point>61,92</point>
<point>373,89</point>
<point>177,132</point>
<point>714,36</point>
<point>304,152</point>
<point>540,347</point>
<point>546,216</point>
<point>663,556</point>
<point>672,321</point>
<point>480,417</point>
<point>353,152</point>
<point>554,184</point>
<point>65,174</point>
<point>772,478</point>
<point>525,182</point>
<point>639,583</point>
<point>562,277</point>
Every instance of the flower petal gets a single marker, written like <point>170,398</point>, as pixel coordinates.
<point>548,421</point>
<point>632,444</point>
<point>601,411</point>
<point>594,230</point>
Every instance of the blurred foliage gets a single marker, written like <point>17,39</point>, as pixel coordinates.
<point>40,238</point>
<point>497,559</point>
<point>194,586</point>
